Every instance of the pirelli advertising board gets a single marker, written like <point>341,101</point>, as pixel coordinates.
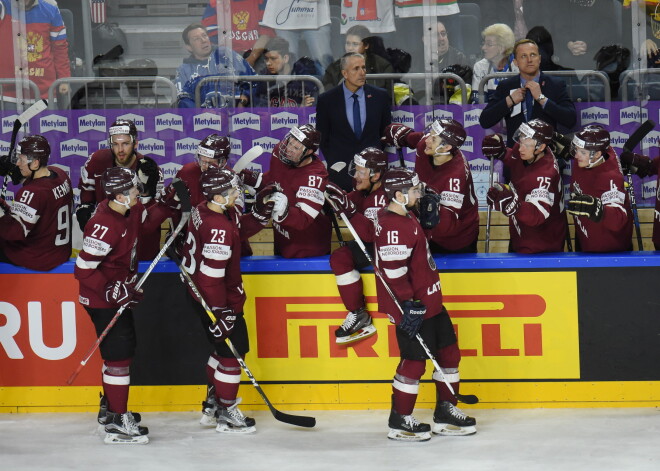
<point>517,327</point>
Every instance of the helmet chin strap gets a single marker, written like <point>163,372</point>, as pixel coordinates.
<point>593,163</point>
<point>404,205</point>
<point>126,204</point>
<point>223,206</point>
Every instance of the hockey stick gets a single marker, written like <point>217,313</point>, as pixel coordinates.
<point>337,167</point>
<point>489,209</point>
<point>23,118</point>
<point>247,158</point>
<point>184,196</point>
<point>465,398</point>
<point>298,420</point>
<point>634,139</point>
<point>402,161</point>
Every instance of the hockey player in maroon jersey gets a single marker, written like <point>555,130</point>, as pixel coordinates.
<point>122,152</point>
<point>360,206</point>
<point>443,168</point>
<point>643,166</point>
<point>401,252</point>
<point>106,269</point>
<point>533,200</point>
<point>211,255</point>
<point>35,232</point>
<point>301,229</point>
<point>599,202</point>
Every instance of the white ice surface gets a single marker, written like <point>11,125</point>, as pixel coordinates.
<point>511,439</point>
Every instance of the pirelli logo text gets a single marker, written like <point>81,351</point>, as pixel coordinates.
<point>509,326</point>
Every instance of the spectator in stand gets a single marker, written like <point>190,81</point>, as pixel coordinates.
<point>311,23</point>
<point>46,43</point>
<point>448,55</point>
<point>208,60</point>
<point>543,39</point>
<point>358,41</point>
<point>498,57</point>
<point>248,36</point>
<point>280,93</point>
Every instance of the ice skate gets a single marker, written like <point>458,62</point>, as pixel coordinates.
<point>123,429</point>
<point>407,428</point>
<point>231,420</point>
<point>209,408</point>
<point>356,326</point>
<point>450,420</point>
<point>103,411</point>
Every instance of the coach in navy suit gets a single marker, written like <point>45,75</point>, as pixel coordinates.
<point>529,95</point>
<point>350,117</point>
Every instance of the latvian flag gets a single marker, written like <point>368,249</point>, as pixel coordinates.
<point>98,11</point>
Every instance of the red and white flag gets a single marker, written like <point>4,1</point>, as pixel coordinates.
<point>98,11</point>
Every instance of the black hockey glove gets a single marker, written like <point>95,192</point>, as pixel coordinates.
<point>561,146</point>
<point>149,175</point>
<point>224,323</point>
<point>492,147</point>
<point>413,315</point>
<point>429,210</point>
<point>169,198</point>
<point>638,164</point>
<point>84,214</point>
<point>8,168</point>
<point>395,135</point>
<point>119,293</point>
<point>502,198</point>
<point>586,205</point>
<point>340,200</point>
<point>262,209</point>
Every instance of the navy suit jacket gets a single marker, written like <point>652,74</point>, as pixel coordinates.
<point>338,141</point>
<point>559,109</point>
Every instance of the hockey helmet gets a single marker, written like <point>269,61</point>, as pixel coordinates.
<point>593,138</point>
<point>34,148</point>
<point>450,130</point>
<point>372,158</point>
<point>215,147</point>
<point>307,135</point>
<point>218,181</point>
<point>536,129</point>
<point>399,179</point>
<point>122,126</point>
<point>120,180</point>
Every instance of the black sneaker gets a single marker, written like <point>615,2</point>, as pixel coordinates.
<point>357,325</point>
<point>450,420</point>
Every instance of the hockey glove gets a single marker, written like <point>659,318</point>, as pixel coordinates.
<point>502,198</point>
<point>281,208</point>
<point>84,214</point>
<point>637,164</point>
<point>169,197</point>
<point>429,210</point>
<point>149,175</point>
<point>413,315</point>
<point>8,168</point>
<point>119,293</point>
<point>340,200</point>
<point>395,135</point>
<point>492,147</point>
<point>224,323</point>
<point>561,146</point>
<point>251,178</point>
<point>586,205</point>
<point>262,209</point>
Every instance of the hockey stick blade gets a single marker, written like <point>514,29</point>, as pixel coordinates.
<point>338,166</point>
<point>32,111</point>
<point>247,158</point>
<point>298,420</point>
<point>636,137</point>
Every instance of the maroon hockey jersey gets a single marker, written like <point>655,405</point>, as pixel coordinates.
<point>367,205</point>
<point>540,223</point>
<point>36,233</point>
<point>613,233</point>
<point>459,210</point>
<point>306,230</point>
<point>109,252</point>
<point>403,256</point>
<point>212,256</point>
